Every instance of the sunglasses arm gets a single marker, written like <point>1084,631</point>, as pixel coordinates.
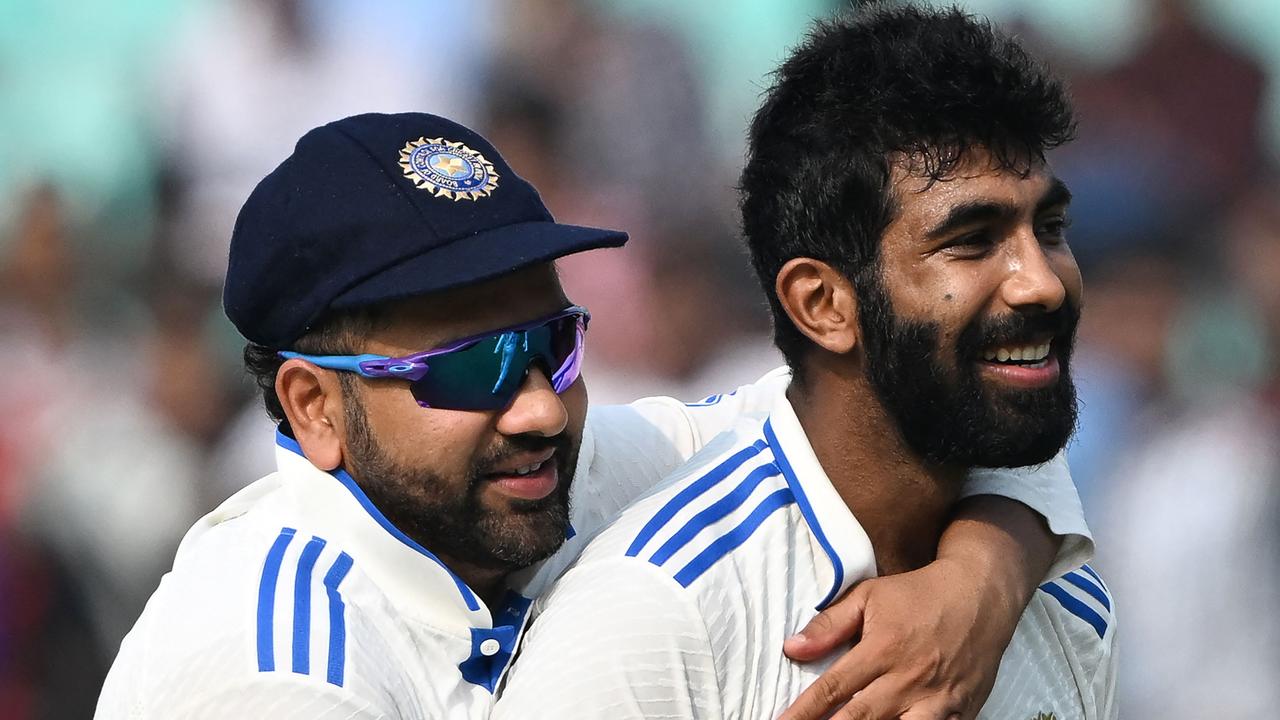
<point>349,363</point>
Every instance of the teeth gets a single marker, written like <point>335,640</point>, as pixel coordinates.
<point>527,469</point>
<point>1017,353</point>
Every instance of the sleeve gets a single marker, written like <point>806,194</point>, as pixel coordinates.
<point>1049,491</point>
<point>616,639</point>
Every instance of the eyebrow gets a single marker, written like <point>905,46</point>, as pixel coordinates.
<point>979,211</point>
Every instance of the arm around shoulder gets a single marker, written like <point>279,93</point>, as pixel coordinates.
<point>1048,490</point>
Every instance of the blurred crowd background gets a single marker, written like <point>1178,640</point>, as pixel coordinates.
<point>130,133</point>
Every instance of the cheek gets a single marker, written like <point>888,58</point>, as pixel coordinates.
<point>444,442</point>
<point>947,297</point>
<point>575,405</point>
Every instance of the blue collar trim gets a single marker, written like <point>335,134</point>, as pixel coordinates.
<point>806,509</point>
<point>473,603</point>
<point>485,669</point>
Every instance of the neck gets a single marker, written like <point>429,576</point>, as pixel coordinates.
<point>487,583</point>
<point>901,502</point>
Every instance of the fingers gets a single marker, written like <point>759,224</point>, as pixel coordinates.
<point>889,698</point>
<point>851,673</point>
<point>840,623</point>
<point>937,707</point>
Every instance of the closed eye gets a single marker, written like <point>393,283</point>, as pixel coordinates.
<point>1053,230</point>
<point>969,245</point>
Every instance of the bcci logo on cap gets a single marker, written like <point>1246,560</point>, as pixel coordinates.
<point>448,169</point>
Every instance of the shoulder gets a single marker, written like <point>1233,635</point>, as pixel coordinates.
<point>253,603</point>
<point>1083,602</point>
<point>707,511</point>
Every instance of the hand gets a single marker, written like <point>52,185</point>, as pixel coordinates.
<point>929,642</point>
<point>929,649</point>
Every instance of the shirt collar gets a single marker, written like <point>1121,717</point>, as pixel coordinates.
<point>835,533</point>
<point>415,580</point>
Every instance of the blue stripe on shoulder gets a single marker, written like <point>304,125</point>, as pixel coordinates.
<point>337,620</point>
<point>1095,576</point>
<point>1087,585</point>
<point>267,599</point>
<point>731,540</point>
<point>302,605</point>
<point>689,493</point>
<point>1076,607</point>
<point>716,511</point>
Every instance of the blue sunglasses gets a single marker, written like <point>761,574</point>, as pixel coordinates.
<point>482,372</point>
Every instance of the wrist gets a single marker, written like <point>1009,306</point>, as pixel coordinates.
<point>1000,588</point>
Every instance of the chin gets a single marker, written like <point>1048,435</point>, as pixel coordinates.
<point>521,538</point>
<point>1025,441</point>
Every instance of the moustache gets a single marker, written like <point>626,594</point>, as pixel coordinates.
<point>1021,328</point>
<point>501,452</point>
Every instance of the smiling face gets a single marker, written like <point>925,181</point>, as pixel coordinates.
<point>487,488</point>
<point>968,329</point>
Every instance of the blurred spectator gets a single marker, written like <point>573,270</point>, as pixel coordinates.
<point>35,331</point>
<point>625,95</point>
<point>693,324</point>
<point>1191,517</point>
<point>1131,304</point>
<point>246,78</point>
<point>1169,133</point>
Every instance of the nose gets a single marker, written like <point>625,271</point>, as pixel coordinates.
<point>536,409</point>
<point>1033,283</point>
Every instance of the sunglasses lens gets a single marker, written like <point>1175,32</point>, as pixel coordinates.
<point>487,374</point>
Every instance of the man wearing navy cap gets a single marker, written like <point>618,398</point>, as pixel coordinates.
<point>395,280</point>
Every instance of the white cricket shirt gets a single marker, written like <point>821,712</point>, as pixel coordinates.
<point>297,599</point>
<point>680,607</point>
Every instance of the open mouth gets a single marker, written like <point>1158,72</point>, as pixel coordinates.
<point>528,469</point>
<point>1033,355</point>
<point>535,479</point>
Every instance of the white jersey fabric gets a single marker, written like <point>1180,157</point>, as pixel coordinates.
<point>679,609</point>
<point>297,599</point>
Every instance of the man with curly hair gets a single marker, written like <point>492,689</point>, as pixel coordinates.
<point>909,234</point>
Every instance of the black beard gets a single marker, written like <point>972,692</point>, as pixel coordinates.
<point>449,518</point>
<point>945,413</point>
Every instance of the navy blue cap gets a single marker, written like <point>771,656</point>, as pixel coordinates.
<point>374,208</point>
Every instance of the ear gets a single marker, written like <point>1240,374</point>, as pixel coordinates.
<point>820,302</point>
<point>312,401</point>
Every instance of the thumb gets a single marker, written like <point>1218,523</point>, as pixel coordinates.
<point>838,624</point>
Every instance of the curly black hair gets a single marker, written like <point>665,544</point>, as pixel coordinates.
<point>337,333</point>
<point>878,85</point>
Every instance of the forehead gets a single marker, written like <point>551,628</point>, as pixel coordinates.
<point>922,202</point>
<point>422,322</point>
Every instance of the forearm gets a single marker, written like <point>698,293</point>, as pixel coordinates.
<point>1005,544</point>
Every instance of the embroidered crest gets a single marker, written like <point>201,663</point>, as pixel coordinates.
<point>448,169</point>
